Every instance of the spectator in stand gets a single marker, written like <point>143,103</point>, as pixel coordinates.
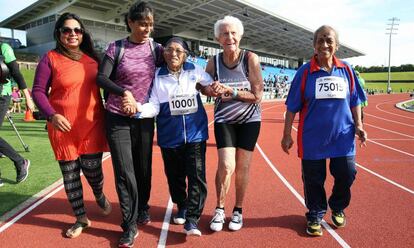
<point>21,164</point>
<point>237,116</point>
<point>65,91</point>
<point>130,139</point>
<point>328,96</point>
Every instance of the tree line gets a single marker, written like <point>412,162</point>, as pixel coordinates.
<point>401,68</point>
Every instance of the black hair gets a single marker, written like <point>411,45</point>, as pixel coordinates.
<point>137,12</point>
<point>86,46</point>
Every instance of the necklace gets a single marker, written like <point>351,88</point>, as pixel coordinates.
<point>175,74</point>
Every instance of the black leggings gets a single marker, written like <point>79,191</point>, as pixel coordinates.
<point>91,165</point>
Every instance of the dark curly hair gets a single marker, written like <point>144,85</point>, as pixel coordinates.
<point>137,12</point>
<point>86,46</point>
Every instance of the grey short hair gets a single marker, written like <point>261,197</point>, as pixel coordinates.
<point>322,28</point>
<point>228,20</point>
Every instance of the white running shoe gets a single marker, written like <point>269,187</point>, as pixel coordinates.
<point>191,229</point>
<point>216,224</point>
<point>179,218</point>
<point>236,222</point>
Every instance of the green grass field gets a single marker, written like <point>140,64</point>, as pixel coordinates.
<point>409,104</point>
<point>44,170</point>
<point>395,76</point>
<point>396,87</point>
<point>28,76</point>
<point>384,76</point>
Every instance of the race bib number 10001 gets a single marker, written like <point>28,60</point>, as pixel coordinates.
<point>182,104</point>
<point>330,87</point>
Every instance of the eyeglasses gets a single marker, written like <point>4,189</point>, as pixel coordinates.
<point>68,30</point>
<point>177,51</point>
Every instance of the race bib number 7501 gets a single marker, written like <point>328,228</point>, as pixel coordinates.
<point>330,87</point>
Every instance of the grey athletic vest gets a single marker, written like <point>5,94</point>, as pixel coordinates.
<point>234,111</point>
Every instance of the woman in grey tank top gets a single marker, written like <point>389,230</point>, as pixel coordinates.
<point>237,115</point>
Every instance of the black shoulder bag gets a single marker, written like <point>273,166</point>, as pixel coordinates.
<point>4,70</point>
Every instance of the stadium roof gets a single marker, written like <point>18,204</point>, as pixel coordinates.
<point>265,32</point>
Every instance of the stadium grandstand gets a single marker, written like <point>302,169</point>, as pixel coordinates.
<point>282,45</point>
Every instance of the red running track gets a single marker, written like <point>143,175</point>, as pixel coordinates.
<point>381,213</point>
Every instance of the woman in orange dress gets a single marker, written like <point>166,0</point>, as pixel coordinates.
<point>65,91</point>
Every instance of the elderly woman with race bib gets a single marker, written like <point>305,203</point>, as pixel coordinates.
<point>237,116</point>
<point>182,131</point>
<point>327,95</point>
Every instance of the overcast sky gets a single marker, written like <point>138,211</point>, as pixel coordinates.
<point>361,24</point>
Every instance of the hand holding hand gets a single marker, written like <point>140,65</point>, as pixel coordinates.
<point>129,105</point>
<point>217,88</point>
<point>227,93</point>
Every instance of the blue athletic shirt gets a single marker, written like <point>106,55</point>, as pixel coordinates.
<point>326,126</point>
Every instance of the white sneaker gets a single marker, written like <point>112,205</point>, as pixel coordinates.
<point>236,222</point>
<point>216,224</point>
<point>191,229</point>
<point>179,218</point>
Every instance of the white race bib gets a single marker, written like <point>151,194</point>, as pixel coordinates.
<point>182,104</point>
<point>240,86</point>
<point>330,87</point>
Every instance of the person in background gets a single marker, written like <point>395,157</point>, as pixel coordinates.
<point>16,99</point>
<point>182,131</point>
<point>237,116</point>
<point>328,97</point>
<point>65,91</point>
<point>130,140</point>
<point>20,163</point>
<point>364,103</point>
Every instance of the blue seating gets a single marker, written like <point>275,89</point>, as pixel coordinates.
<point>266,69</point>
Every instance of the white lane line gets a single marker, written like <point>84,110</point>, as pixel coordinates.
<point>165,225</point>
<point>35,204</point>
<point>386,179</point>
<point>405,124</point>
<point>29,209</point>
<point>378,175</point>
<point>384,129</point>
<point>393,139</point>
<point>300,198</point>
<point>391,148</point>
<point>377,107</point>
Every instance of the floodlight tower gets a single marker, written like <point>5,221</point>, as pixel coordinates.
<point>391,30</point>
